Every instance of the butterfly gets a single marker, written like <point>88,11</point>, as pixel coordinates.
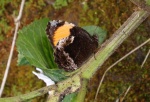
<point>72,45</point>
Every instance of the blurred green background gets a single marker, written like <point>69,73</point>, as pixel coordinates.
<point>108,14</point>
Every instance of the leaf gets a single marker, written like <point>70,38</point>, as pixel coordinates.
<point>70,98</point>
<point>35,49</point>
<point>22,60</point>
<point>55,74</point>
<point>34,45</point>
<point>96,30</point>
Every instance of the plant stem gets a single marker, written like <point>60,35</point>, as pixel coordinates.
<point>28,96</point>
<point>111,45</point>
<point>83,90</point>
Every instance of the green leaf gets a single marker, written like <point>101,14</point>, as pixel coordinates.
<point>22,60</point>
<point>34,45</point>
<point>70,98</point>
<point>55,74</point>
<point>34,48</point>
<point>97,31</point>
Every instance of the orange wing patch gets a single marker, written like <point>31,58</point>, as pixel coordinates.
<point>61,32</point>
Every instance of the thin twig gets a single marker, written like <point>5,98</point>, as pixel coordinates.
<point>20,12</point>
<point>141,4</point>
<point>117,63</point>
<point>145,58</point>
<point>17,22</point>
<point>125,93</point>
